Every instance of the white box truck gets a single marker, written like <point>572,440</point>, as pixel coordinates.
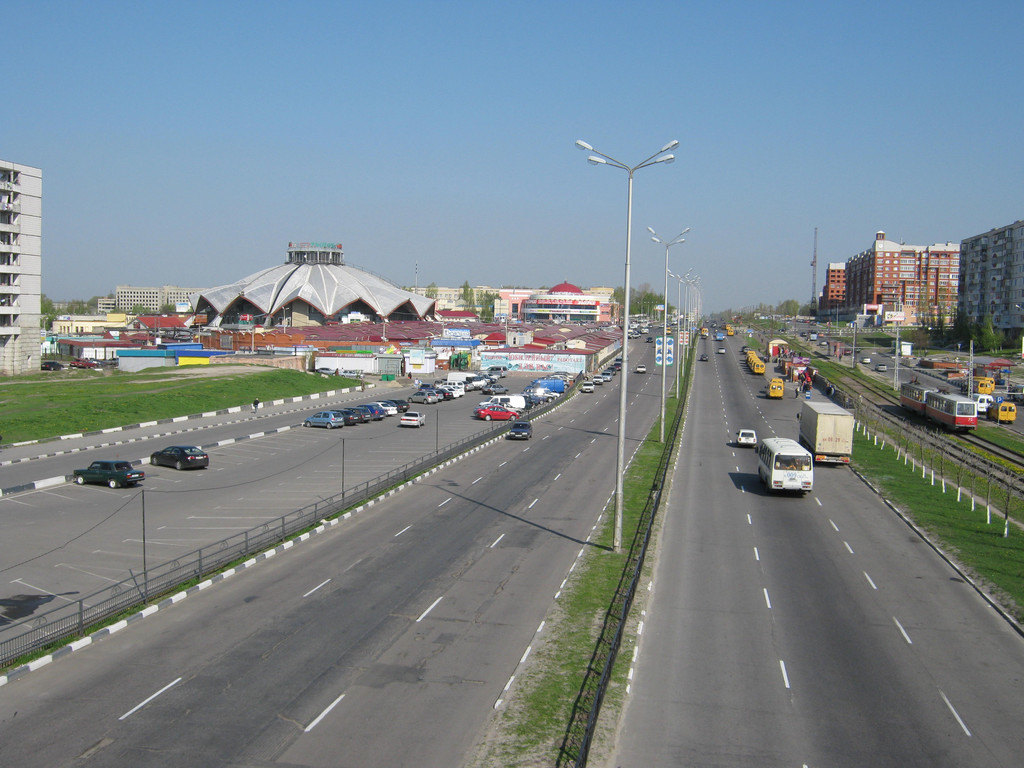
<point>827,431</point>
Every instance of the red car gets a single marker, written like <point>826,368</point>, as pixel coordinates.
<point>83,363</point>
<point>500,414</point>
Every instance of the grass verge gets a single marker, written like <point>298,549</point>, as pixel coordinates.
<point>979,547</point>
<point>38,407</point>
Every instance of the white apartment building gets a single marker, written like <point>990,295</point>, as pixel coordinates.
<point>992,278</point>
<point>21,260</point>
<point>127,297</point>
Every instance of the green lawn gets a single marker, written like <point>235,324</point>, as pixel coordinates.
<point>40,406</point>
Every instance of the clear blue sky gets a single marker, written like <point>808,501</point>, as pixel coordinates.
<point>188,142</point>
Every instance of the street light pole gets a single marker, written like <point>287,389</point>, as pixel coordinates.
<point>664,323</point>
<point>599,158</point>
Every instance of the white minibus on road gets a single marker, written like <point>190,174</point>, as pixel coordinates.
<point>785,465</point>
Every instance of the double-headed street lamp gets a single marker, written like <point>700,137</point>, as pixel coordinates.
<point>599,158</point>
<point>664,321</point>
<point>680,314</point>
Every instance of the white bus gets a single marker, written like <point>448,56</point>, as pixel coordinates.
<point>785,465</point>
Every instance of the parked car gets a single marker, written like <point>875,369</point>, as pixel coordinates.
<point>113,473</point>
<point>423,396</point>
<point>352,416</point>
<point>83,363</point>
<point>327,371</point>
<point>376,412</point>
<point>497,370</point>
<point>641,368</point>
<point>499,414</point>
<point>51,365</point>
<point>390,409</point>
<point>412,419</point>
<point>494,389</point>
<point>401,405</point>
<point>444,393</point>
<point>181,457</point>
<point>746,437</point>
<point>326,419</point>
<point>520,430</point>
<point>446,389</point>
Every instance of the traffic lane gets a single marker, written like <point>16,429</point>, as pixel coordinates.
<point>382,568</point>
<point>62,544</point>
<point>707,687</point>
<point>437,684</point>
<point>958,652</point>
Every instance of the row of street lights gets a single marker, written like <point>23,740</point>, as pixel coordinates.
<point>599,158</point>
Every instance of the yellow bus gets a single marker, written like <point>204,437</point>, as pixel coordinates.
<point>1002,413</point>
<point>984,385</point>
<point>704,332</point>
<point>729,331</point>
<point>776,388</point>
<point>756,365</point>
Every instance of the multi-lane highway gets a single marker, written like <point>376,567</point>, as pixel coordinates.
<point>387,640</point>
<point>807,631</point>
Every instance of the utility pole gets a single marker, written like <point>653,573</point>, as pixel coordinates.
<point>814,275</point>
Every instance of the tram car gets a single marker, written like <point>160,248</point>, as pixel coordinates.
<point>912,396</point>
<point>952,411</point>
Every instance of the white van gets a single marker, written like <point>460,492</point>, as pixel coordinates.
<point>460,376</point>
<point>513,402</point>
<point>984,403</point>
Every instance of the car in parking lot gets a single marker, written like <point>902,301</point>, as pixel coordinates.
<point>375,414</point>
<point>113,473</point>
<point>84,363</point>
<point>181,457</point>
<point>747,437</point>
<point>641,368</point>
<point>51,365</point>
<point>401,405</point>
<point>520,430</point>
<point>487,413</point>
<point>423,396</point>
<point>412,419</point>
<point>326,419</point>
<point>494,389</point>
<point>390,409</point>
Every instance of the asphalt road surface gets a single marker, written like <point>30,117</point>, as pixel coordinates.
<point>387,640</point>
<point>807,631</point>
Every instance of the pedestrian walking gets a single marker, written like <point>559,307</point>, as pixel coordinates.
<point>255,405</point>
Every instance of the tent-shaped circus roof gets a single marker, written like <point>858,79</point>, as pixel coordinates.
<point>327,287</point>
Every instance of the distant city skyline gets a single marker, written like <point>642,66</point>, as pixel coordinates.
<point>442,135</point>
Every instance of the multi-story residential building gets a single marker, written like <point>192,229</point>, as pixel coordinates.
<point>992,278</point>
<point>833,293</point>
<point>21,262</point>
<point>127,297</point>
<point>904,283</point>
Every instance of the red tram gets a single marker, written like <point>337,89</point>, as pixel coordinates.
<point>952,411</point>
<point>912,396</point>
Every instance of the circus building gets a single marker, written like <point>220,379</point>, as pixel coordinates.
<point>313,287</point>
<point>567,303</point>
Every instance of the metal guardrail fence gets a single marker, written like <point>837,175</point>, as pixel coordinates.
<point>73,620</point>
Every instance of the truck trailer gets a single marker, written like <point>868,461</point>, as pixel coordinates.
<point>827,431</point>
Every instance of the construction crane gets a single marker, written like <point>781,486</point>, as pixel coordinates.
<point>814,275</point>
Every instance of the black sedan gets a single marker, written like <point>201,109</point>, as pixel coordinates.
<point>181,457</point>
